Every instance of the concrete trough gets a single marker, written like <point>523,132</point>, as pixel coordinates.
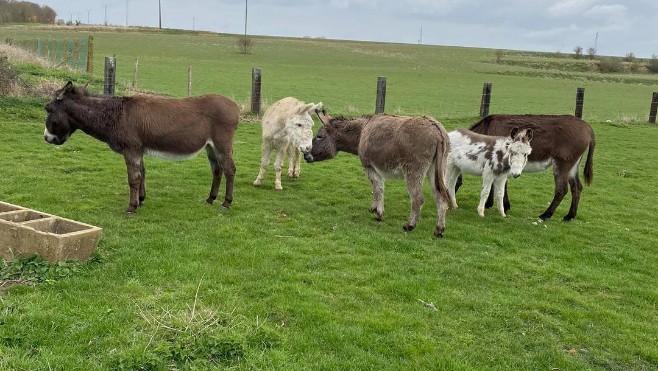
<point>27,232</point>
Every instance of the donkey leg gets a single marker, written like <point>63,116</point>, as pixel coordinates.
<point>576,188</point>
<point>264,162</point>
<point>216,170</point>
<point>229,171</point>
<point>142,185</point>
<point>298,162</point>
<point>506,203</point>
<point>133,166</point>
<point>452,182</point>
<point>377,183</point>
<point>415,189</point>
<point>499,191</point>
<point>490,198</point>
<point>487,185</point>
<point>441,203</point>
<point>560,190</point>
<point>278,164</point>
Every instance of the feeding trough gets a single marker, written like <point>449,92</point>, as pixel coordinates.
<point>26,232</point>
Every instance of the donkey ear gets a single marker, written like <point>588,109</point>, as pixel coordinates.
<point>515,131</point>
<point>322,115</point>
<point>529,134</point>
<point>306,108</point>
<point>66,88</point>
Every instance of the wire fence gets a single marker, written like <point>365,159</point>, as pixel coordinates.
<point>72,53</point>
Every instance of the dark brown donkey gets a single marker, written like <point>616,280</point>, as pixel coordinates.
<point>138,125</point>
<point>559,141</point>
<point>392,147</point>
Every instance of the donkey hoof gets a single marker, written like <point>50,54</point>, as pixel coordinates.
<point>545,216</point>
<point>567,218</point>
<point>225,205</point>
<point>210,200</point>
<point>408,228</point>
<point>438,233</point>
<point>130,212</point>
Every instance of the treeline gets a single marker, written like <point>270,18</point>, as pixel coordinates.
<point>12,11</point>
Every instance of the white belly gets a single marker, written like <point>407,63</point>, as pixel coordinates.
<point>174,156</point>
<point>537,166</point>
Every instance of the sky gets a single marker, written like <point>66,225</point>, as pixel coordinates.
<point>613,27</point>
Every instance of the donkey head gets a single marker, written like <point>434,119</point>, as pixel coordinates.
<point>324,143</point>
<point>299,128</point>
<point>518,150</point>
<point>58,123</point>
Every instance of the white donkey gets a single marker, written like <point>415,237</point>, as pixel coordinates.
<point>492,157</point>
<point>287,129</point>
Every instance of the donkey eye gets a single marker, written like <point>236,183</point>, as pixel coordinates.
<point>299,125</point>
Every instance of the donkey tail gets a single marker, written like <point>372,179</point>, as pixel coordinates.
<point>442,149</point>
<point>589,163</point>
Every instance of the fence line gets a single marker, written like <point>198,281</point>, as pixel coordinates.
<point>72,53</point>
<point>256,86</point>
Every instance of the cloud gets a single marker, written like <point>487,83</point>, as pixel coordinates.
<point>569,7</point>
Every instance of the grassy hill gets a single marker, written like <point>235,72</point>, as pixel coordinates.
<point>305,279</point>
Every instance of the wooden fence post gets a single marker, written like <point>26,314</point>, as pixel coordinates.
<point>380,102</point>
<point>654,108</point>
<point>136,73</point>
<point>110,76</point>
<point>90,55</point>
<point>255,90</point>
<point>189,81</point>
<point>486,99</point>
<point>580,99</point>
<point>76,53</point>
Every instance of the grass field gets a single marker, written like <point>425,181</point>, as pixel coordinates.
<point>305,278</point>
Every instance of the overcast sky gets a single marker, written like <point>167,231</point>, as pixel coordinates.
<point>540,25</point>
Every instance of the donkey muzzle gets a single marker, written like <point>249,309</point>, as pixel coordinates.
<point>308,157</point>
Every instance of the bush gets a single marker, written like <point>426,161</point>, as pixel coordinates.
<point>8,76</point>
<point>591,53</point>
<point>244,44</point>
<point>578,52</point>
<point>652,66</point>
<point>610,65</point>
<point>630,57</point>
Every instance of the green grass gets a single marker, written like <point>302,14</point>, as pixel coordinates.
<point>305,278</point>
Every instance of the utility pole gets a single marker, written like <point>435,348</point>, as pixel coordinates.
<point>246,2</point>
<point>88,11</point>
<point>596,40</point>
<point>127,11</point>
<point>193,26</point>
<point>106,15</point>
<point>159,14</point>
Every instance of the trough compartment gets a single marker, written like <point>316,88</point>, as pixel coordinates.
<point>26,232</point>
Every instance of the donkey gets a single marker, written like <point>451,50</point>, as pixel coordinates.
<point>493,158</point>
<point>138,125</point>
<point>287,129</point>
<point>392,147</point>
<point>563,139</point>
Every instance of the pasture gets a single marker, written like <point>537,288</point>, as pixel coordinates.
<point>305,278</point>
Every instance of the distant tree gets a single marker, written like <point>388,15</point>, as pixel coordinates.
<point>591,53</point>
<point>578,52</point>
<point>630,57</point>
<point>499,55</point>
<point>25,11</point>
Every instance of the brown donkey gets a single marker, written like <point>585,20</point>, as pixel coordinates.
<point>559,141</point>
<point>392,147</point>
<point>138,125</point>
